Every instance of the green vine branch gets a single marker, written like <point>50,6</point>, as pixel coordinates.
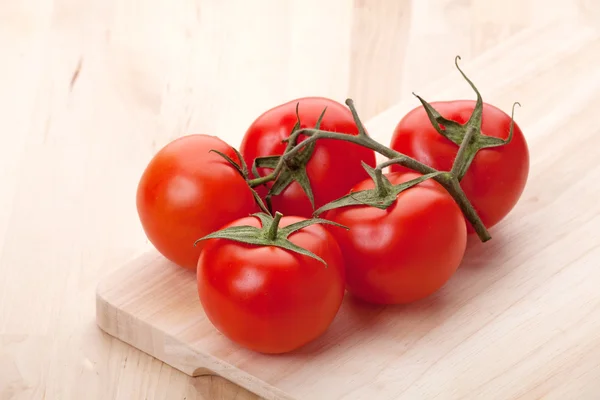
<point>447,180</point>
<point>290,166</point>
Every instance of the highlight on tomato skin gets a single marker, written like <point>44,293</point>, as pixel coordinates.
<point>266,298</point>
<point>186,191</point>
<point>334,167</point>
<point>406,252</point>
<point>496,177</point>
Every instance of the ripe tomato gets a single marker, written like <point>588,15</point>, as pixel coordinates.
<point>187,192</point>
<point>335,166</point>
<point>269,299</point>
<point>496,178</point>
<point>405,252</point>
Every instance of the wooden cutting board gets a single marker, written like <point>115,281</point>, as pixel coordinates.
<point>521,317</point>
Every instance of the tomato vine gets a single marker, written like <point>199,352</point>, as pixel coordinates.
<point>468,136</point>
<point>290,166</point>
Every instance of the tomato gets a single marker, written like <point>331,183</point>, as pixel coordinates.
<point>335,166</point>
<point>187,192</point>
<point>497,176</point>
<point>403,253</point>
<point>270,299</point>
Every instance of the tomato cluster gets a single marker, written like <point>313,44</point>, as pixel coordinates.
<point>279,231</point>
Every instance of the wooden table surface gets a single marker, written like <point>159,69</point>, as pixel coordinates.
<point>91,89</point>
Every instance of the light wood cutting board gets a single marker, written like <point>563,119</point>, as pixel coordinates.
<point>521,317</point>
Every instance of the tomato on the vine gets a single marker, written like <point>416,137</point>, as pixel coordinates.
<point>496,177</point>
<point>334,167</point>
<point>187,192</point>
<point>405,252</point>
<point>266,298</point>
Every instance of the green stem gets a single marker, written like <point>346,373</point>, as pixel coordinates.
<point>291,144</point>
<point>361,128</point>
<point>267,178</point>
<point>448,180</point>
<point>382,190</point>
<point>463,159</point>
<point>365,141</point>
<point>409,163</point>
<point>451,185</point>
<point>272,232</point>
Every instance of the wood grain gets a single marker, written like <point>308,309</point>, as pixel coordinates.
<point>92,88</point>
<point>519,319</point>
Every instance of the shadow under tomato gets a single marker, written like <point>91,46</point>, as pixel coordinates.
<point>480,255</point>
<point>359,322</point>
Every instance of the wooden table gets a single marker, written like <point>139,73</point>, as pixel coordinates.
<point>91,89</point>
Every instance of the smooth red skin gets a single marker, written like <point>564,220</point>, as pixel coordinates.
<point>186,193</point>
<point>268,299</point>
<point>497,176</point>
<point>406,252</point>
<point>334,167</point>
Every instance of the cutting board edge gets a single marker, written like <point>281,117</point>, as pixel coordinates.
<point>108,315</point>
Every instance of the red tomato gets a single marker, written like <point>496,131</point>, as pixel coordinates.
<point>269,299</point>
<point>187,192</point>
<point>405,252</point>
<point>497,176</point>
<point>334,167</point>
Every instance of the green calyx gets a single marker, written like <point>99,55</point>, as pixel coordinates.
<point>242,169</point>
<point>270,234</point>
<point>469,131</point>
<point>382,196</point>
<point>292,169</point>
